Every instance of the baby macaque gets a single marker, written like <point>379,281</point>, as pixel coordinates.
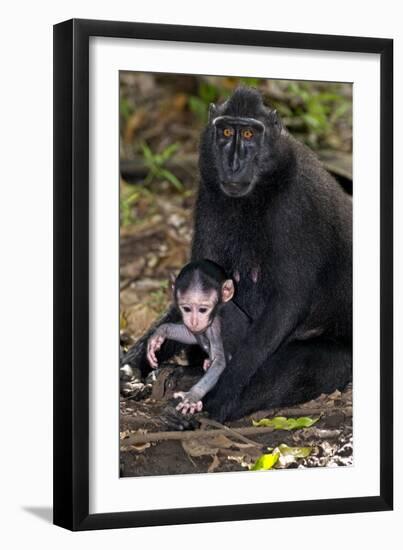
<point>200,291</point>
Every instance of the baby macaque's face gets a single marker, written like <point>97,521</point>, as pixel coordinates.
<point>196,307</point>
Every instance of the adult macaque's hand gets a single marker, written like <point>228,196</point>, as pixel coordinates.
<point>153,345</point>
<point>188,404</point>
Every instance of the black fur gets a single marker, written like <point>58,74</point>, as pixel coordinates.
<point>208,275</point>
<point>295,226</point>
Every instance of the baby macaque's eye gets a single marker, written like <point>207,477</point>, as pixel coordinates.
<point>203,310</point>
<point>186,309</point>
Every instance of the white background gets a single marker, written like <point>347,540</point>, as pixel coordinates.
<point>25,299</point>
<point>108,492</point>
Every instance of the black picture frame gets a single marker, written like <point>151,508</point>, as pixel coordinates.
<point>71,274</point>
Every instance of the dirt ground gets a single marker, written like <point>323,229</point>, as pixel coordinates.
<point>214,448</point>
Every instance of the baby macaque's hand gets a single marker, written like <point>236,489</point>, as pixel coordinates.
<point>206,364</point>
<point>188,405</point>
<point>153,345</point>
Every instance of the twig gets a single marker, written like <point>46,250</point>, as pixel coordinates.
<point>136,439</point>
<point>234,432</point>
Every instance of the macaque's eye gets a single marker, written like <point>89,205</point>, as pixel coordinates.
<point>186,309</point>
<point>228,132</point>
<point>203,310</point>
<point>247,134</point>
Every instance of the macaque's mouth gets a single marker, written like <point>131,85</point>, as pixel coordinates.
<point>236,189</point>
<point>198,331</point>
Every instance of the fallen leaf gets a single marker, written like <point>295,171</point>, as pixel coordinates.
<point>208,445</point>
<point>283,423</point>
<point>265,462</point>
<point>281,457</point>
<point>297,452</point>
<point>214,465</point>
<point>289,455</point>
<point>140,447</point>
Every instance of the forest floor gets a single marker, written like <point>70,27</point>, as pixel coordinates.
<point>148,449</point>
<point>161,120</point>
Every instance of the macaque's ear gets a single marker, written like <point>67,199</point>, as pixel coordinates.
<point>212,112</point>
<point>228,290</point>
<point>275,123</point>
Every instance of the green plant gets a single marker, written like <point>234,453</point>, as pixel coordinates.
<point>130,195</point>
<point>126,108</point>
<point>313,111</point>
<point>206,93</point>
<point>127,201</point>
<point>158,298</point>
<point>250,81</point>
<point>155,163</point>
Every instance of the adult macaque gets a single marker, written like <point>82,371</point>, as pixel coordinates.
<point>273,218</point>
<point>200,291</point>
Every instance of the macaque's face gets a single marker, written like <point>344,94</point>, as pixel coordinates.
<point>196,307</point>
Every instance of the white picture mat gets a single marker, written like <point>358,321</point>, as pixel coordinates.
<point>108,493</point>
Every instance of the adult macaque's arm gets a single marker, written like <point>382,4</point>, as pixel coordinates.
<point>263,339</point>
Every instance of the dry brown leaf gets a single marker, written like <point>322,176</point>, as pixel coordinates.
<point>239,458</point>
<point>209,445</point>
<point>139,318</point>
<point>134,122</point>
<point>140,447</point>
<point>133,269</point>
<point>199,447</point>
<point>214,464</point>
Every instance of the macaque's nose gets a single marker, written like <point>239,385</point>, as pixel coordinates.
<point>235,164</point>
<point>193,320</point>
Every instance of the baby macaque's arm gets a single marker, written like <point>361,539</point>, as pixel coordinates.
<point>217,358</point>
<point>177,332</point>
<point>170,331</point>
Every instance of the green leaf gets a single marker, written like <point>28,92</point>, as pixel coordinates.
<point>169,151</point>
<point>207,92</point>
<point>312,121</point>
<point>126,109</point>
<point>296,452</point>
<point>147,152</point>
<point>328,96</point>
<point>198,107</point>
<point>250,81</point>
<point>339,111</point>
<point>172,179</point>
<point>265,462</point>
<point>283,423</point>
<point>280,457</point>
